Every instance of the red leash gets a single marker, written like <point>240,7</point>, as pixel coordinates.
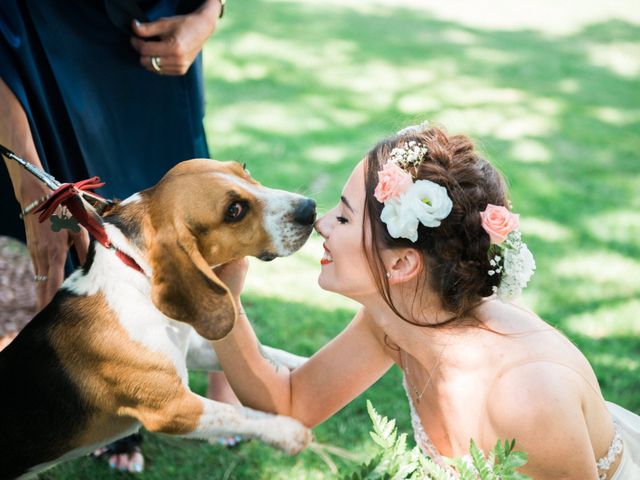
<point>68,194</point>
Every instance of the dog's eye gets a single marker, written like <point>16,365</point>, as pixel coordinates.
<point>244,167</point>
<point>236,212</point>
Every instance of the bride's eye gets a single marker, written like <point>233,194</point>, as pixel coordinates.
<point>341,220</point>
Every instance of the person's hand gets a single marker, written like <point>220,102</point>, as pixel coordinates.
<point>175,41</point>
<point>233,274</point>
<point>48,251</point>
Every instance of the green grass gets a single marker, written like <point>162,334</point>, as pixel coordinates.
<point>300,91</point>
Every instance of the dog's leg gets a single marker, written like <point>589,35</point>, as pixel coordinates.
<point>282,357</point>
<point>225,420</point>
<point>193,416</point>
<point>202,356</point>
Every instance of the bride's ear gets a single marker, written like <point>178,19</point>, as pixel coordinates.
<point>403,265</point>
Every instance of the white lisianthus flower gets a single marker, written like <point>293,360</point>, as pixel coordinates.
<point>429,202</point>
<point>401,221</point>
<point>423,202</point>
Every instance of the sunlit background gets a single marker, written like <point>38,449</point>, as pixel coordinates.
<point>549,90</point>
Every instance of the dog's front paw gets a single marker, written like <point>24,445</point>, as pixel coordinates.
<point>287,434</point>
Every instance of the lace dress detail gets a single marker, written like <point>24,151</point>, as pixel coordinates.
<point>615,449</point>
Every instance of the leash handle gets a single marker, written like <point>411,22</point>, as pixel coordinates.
<point>96,201</point>
<point>41,175</point>
<point>76,197</point>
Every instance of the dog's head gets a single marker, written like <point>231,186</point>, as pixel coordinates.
<point>204,213</point>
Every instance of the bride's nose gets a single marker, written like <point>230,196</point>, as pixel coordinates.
<point>322,226</point>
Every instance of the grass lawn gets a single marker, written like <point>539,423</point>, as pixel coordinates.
<point>300,91</point>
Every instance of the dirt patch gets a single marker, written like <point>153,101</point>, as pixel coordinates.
<point>17,289</point>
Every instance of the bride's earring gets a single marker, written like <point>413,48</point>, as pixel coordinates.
<point>388,275</point>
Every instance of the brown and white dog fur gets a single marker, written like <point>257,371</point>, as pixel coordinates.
<point>109,353</point>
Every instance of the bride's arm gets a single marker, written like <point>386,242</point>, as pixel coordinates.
<point>331,378</point>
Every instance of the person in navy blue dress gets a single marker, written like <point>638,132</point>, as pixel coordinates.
<point>108,88</point>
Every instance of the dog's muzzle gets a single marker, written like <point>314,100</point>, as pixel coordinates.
<point>289,224</point>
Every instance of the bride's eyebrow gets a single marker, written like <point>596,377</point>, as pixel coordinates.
<point>346,202</point>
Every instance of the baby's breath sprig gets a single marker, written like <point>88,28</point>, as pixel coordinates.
<point>410,156</point>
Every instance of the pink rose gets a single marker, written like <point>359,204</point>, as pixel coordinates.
<point>392,182</point>
<point>499,222</point>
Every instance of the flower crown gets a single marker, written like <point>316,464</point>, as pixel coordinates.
<point>407,203</point>
<point>511,256</point>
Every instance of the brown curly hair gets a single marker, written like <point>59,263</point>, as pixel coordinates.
<point>456,254</point>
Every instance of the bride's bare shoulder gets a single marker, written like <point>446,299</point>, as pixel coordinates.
<point>539,405</point>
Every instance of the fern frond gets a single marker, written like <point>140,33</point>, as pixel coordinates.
<point>465,471</point>
<point>394,462</point>
<point>480,463</point>
<point>366,469</point>
<point>432,469</point>
<point>384,430</point>
<point>400,447</point>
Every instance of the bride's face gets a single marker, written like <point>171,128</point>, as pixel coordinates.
<point>344,267</point>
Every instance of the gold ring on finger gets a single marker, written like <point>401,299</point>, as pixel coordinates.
<point>155,63</point>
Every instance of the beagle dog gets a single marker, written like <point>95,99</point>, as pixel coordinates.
<point>109,353</point>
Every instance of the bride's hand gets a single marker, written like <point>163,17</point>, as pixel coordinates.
<point>233,274</point>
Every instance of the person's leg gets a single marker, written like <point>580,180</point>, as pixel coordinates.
<point>220,391</point>
<point>124,454</point>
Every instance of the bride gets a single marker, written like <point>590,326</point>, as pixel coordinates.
<point>423,238</point>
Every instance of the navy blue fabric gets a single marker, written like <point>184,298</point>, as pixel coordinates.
<point>93,109</point>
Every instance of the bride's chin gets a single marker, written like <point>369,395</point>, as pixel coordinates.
<point>325,284</point>
<point>322,283</point>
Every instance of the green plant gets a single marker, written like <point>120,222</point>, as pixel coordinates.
<point>396,462</point>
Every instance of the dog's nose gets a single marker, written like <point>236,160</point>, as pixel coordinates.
<point>305,213</point>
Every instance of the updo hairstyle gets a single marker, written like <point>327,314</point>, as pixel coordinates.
<point>456,253</point>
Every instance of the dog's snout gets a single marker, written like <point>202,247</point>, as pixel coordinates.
<point>289,222</point>
<point>305,213</point>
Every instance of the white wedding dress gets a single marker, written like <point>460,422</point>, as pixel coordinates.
<point>627,437</point>
<point>629,425</point>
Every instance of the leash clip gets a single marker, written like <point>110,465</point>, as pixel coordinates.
<point>96,201</point>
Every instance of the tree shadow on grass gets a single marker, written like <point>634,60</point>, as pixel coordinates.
<point>589,155</point>
<point>614,359</point>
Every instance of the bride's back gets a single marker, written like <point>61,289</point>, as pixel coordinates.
<point>512,357</point>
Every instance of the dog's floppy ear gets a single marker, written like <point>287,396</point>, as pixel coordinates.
<point>184,287</point>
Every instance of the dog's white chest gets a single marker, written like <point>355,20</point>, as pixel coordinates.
<point>127,294</point>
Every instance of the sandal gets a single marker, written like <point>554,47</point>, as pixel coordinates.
<point>123,454</point>
<point>230,442</point>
